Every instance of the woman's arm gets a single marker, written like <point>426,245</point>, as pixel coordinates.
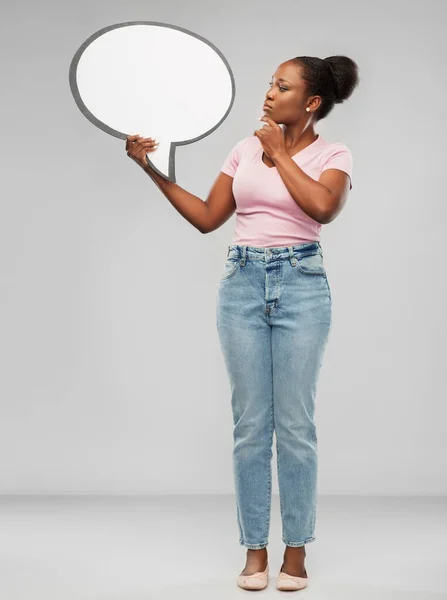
<point>191,207</point>
<point>204,216</point>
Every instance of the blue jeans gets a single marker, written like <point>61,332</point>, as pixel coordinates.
<point>273,316</point>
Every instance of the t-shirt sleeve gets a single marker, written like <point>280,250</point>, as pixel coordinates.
<point>232,161</point>
<point>340,158</point>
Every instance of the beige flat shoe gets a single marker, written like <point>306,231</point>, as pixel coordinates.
<point>257,581</point>
<point>290,582</point>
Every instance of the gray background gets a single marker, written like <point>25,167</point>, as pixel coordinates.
<point>112,375</point>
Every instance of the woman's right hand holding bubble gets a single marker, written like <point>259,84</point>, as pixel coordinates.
<point>137,147</point>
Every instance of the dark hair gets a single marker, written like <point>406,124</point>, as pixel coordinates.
<point>333,78</point>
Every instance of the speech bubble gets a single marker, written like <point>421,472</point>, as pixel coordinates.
<point>154,79</point>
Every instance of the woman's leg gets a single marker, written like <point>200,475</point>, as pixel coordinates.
<point>300,330</point>
<point>245,339</point>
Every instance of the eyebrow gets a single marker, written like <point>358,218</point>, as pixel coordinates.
<point>282,79</point>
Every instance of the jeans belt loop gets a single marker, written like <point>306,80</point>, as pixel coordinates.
<point>292,258</point>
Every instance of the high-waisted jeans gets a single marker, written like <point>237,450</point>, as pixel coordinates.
<point>273,317</point>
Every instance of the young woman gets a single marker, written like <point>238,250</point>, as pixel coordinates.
<point>274,304</point>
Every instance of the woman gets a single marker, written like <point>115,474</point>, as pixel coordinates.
<point>274,303</point>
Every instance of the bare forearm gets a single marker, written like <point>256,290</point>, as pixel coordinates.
<point>310,195</point>
<point>191,207</point>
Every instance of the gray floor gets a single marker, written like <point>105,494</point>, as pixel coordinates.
<point>166,547</point>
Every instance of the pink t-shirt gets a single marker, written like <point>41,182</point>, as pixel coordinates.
<point>266,213</point>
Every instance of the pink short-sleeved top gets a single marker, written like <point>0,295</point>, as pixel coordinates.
<point>266,213</point>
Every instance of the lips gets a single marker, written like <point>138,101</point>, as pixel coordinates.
<point>267,106</point>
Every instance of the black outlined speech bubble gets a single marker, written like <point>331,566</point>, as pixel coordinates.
<point>154,79</point>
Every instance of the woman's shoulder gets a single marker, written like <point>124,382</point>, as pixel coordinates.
<point>330,149</point>
<point>328,145</point>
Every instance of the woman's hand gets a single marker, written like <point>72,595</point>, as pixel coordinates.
<point>271,137</point>
<point>137,147</point>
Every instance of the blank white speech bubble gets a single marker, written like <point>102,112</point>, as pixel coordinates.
<point>154,79</point>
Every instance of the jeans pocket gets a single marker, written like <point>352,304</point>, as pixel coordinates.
<point>311,264</point>
<point>231,266</point>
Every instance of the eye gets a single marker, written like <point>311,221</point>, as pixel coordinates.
<point>281,88</point>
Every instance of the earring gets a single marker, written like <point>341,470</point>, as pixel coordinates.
<point>308,109</point>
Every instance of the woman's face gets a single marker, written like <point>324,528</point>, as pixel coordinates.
<point>286,97</point>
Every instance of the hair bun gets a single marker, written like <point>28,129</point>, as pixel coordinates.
<point>334,78</point>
